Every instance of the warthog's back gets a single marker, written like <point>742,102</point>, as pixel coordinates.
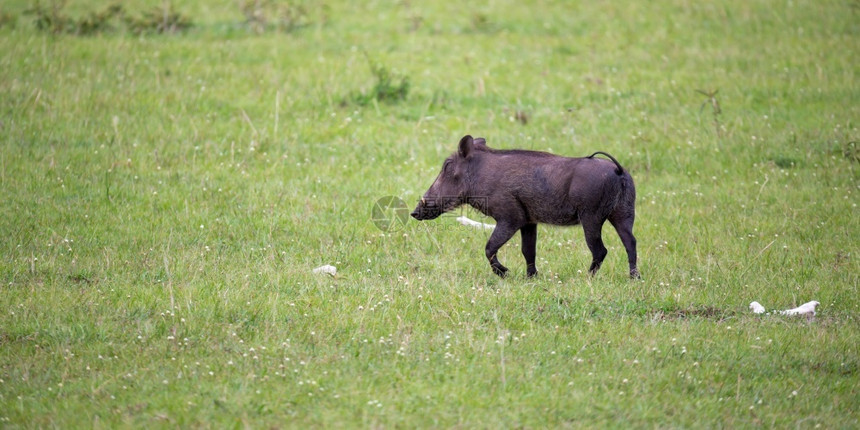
<point>548,188</point>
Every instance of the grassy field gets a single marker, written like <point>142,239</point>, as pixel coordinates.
<point>166,197</point>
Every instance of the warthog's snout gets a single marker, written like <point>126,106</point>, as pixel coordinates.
<point>426,209</point>
<point>417,212</point>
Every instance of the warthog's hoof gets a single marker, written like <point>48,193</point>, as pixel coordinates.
<point>500,270</point>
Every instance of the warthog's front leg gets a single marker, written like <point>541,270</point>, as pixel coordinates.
<point>529,236</point>
<point>501,234</point>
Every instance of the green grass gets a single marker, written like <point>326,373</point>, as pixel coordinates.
<point>165,198</point>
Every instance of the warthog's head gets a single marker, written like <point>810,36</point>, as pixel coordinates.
<point>451,188</point>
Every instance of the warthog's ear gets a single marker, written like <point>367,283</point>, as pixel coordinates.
<point>466,146</point>
<point>480,141</point>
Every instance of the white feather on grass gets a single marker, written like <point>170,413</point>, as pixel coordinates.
<point>327,269</point>
<point>471,223</point>
<point>807,309</point>
<point>757,308</point>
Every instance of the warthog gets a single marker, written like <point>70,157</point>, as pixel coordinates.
<point>520,189</point>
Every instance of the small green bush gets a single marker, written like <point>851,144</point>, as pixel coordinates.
<point>97,22</point>
<point>53,19</point>
<point>263,15</point>
<point>159,20</point>
<point>49,18</point>
<point>389,87</point>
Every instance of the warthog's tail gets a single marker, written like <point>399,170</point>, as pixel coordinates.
<point>619,170</point>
